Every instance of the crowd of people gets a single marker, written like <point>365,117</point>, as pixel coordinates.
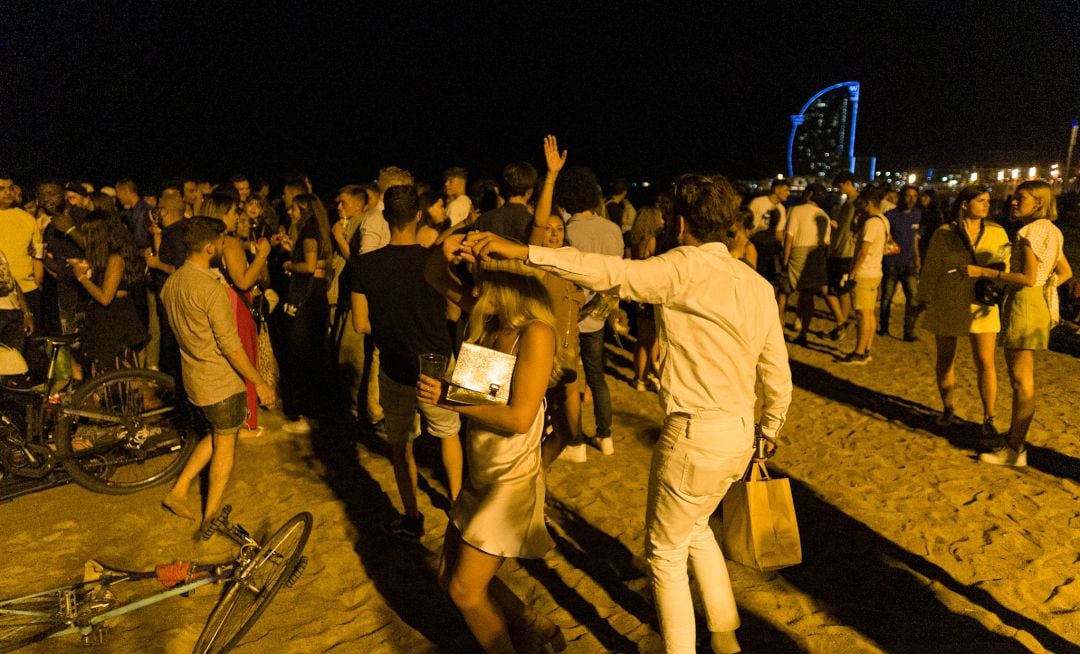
<point>228,291</point>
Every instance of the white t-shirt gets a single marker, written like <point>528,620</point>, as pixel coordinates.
<point>459,209</point>
<point>808,226</point>
<point>1046,242</point>
<point>760,206</point>
<point>873,240</point>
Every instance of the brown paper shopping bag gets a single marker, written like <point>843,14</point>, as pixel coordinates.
<point>759,527</point>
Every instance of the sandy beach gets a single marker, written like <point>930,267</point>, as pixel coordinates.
<point>909,544</point>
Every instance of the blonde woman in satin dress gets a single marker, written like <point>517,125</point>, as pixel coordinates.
<point>499,513</point>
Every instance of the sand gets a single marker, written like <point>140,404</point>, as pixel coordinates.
<point>909,544</point>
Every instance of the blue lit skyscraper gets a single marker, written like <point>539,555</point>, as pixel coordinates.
<point>823,133</point>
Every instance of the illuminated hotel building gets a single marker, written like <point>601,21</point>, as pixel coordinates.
<point>823,133</point>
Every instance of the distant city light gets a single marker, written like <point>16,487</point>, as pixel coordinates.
<point>911,178</point>
<point>1015,173</point>
<point>1033,171</point>
<point>974,177</point>
<point>1001,176</point>
<point>953,183</point>
<point>1055,173</point>
<point>645,185</point>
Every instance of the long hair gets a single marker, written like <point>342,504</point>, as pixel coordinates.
<point>507,302</point>
<point>429,199</point>
<point>105,236</point>
<point>216,205</point>
<point>646,225</point>
<point>966,194</point>
<point>311,208</point>
<point>1041,191</point>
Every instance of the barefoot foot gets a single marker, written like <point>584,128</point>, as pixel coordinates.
<point>175,505</point>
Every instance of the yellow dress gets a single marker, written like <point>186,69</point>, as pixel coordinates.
<point>949,292</point>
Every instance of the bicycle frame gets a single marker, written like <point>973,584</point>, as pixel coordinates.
<point>85,626</point>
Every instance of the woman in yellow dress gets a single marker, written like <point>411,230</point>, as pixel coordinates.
<point>1038,267</point>
<point>948,293</point>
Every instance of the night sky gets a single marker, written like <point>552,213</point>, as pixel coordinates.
<point>99,90</point>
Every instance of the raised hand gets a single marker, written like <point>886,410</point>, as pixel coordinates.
<point>555,160</point>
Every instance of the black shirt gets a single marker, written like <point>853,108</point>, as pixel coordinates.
<point>171,251</point>
<point>408,316</point>
<point>512,220</point>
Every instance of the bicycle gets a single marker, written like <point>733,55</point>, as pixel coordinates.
<point>116,433</point>
<point>252,579</point>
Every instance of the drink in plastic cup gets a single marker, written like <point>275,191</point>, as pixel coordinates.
<point>434,365</point>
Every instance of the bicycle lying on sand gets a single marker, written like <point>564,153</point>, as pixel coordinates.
<point>118,432</point>
<point>251,579</point>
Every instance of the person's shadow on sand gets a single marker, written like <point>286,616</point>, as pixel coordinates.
<point>889,594</point>
<point>400,571</point>
<point>918,416</point>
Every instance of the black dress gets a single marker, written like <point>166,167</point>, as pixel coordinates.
<point>110,329</point>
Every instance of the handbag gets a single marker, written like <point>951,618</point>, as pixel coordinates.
<point>892,248</point>
<point>987,291</point>
<point>759,528</point>
<point>481,376</point>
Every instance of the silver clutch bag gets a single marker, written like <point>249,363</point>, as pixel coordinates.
<point>482,376</point>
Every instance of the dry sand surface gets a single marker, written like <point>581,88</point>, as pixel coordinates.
<point>909,544</point>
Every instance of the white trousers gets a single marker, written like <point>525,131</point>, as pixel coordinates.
<point>694,463</point>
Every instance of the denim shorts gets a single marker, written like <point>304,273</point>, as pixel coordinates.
<point>226,416</point>
<point>403,411</point>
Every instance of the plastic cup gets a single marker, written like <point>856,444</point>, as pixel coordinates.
<point>434,365</point>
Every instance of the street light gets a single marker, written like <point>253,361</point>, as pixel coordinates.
<point>1015,174</point>
<point>1032,172</point>
<point>974,177</point>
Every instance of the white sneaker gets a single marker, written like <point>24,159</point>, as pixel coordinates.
<point>1006,456</point>
<point>575,453</point>
<point>607,445</point>
<point>299,426</point>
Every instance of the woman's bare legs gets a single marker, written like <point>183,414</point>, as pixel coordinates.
<point>489,607</point>
<point>945,369</point>
<point>982,350</point>
<point>1022,378</point>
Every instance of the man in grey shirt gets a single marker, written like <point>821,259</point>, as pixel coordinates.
<point>578,192</point>
<point>842,248</point>
<point>196,300</point>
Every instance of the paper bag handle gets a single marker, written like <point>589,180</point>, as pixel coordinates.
<point>756,471</point>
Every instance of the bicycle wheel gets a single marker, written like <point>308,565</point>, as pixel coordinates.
<point>253,586</point>
<point>124,431</point>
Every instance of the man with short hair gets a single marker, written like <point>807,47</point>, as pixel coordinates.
<point>134,212</point>
<point>405,316</point>
<point>458,203</point>
<point>351,202</point>
<point>578,192</point>
<point>774,200</point>
<point>168,240</point>
<point>902,268</point>
<point>242,186</point>
<point>721,338</point>
<point>196,299</point>
<point>22,245</point>
<point>842,249</point>
<point>513,219</point>
<point>619,209</point>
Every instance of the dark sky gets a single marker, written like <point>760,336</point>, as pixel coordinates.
<point>148,89</point>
